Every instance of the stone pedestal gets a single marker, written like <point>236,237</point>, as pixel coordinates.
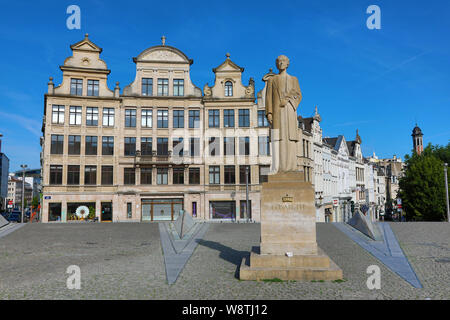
<point>288,249</point>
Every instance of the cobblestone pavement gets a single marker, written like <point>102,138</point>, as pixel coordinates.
<point>124,261</point>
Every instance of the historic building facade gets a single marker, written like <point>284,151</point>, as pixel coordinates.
<point>160,146</point>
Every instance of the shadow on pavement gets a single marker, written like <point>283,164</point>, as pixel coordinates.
<point>229,254</point>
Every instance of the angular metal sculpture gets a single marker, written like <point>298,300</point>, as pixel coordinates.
<point>183,224</point>
<point>364,224</point>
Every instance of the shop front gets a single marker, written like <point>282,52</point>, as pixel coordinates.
<point>223,210</point>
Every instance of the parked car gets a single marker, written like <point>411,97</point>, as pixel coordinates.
<point>14,215</point>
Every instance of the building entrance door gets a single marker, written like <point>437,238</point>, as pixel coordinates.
<point>107,213</point>
<point>161,209</point>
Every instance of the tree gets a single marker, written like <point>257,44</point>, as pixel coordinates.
<point>422,189</point>
<point>35,202</point>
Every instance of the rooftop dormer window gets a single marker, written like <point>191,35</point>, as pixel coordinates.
<point>147,86</point>
<point>92,88</point>
<point>76,87</point>
<point>163,87</point>
<point>228,89</point>
<point>178,87</point>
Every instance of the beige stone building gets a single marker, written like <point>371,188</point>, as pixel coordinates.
<point>160,146</point>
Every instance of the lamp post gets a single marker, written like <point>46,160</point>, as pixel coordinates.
<point>23,166</point>
<point>446,191</point>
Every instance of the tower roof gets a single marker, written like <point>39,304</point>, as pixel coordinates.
<point>417,131</point>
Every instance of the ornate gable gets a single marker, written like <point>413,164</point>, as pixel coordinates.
<point>228,66</point>
<point>86,45</point>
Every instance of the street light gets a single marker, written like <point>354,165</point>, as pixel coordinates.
<point>23,166</point>
<point>446,191</point>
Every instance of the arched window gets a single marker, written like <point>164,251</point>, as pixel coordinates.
<point>228,89</point>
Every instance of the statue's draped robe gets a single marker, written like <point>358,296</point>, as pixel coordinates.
<point>284,133</point>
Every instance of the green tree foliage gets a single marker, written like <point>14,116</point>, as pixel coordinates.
<point>35,202</point>
<point>422,189</point>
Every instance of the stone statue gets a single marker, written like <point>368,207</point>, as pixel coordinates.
<point>283,96</point>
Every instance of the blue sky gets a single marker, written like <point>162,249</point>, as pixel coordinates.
<point>379,81</point>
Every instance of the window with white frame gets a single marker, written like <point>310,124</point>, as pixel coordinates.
<point>57,114</point>
<point>92,116</point>
<point>75,115</point>
<point>146,118</point>
<point>108,117</point>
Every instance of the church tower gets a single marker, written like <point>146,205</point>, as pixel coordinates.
<point>417,136</point>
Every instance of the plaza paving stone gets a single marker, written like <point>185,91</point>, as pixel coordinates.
<point>125,261</point>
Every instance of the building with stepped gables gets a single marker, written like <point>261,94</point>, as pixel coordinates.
<point>158,146</point>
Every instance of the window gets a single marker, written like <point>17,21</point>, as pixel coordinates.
<point>244,146</point>
<point>54,211</point>
<point>163,87</point>
<point>178,87</point>
<point>264,146</point>
<point>214,146</point>
<point>55,174</point>
<point>228,89</point>
<point>91,145</point>
<point>228,146</point>
<point>146,118</point>
<point>107,175</point>
<point>92,88</point>
<point>146,175</point>
<point>194,118</point>
<point>146,146</point>
<point>162,175</point>
<point>74,144</point>
<point>92,116</point>
<point>57,144</point>
<point>194,175</point>
<point>75,116</point>
<point>262,119</point>
<point>214,175</point>
<point>244,118</point>
<point>228,118</point>
<point>177,147</point>
<point>263,173</point>
<point>76,87</point>
<point>73,175</point>
<point>242,174</point>
<point>162,148</point>
<point>57,114</point>
<point>130,146</point>
<point>129,210</point>
<point>230,174</point>
<point>178,118</point>
<point>107,146</point>
<point>108,117</point>
<point>147,86</point>
<point>90,175</point>
<point>178,175</point>
<point>163,118</point>
<point>214,119</point>
<point>194,209</point>
<point>194,147</point>
<point>130,118</point>
<point>129,176</point>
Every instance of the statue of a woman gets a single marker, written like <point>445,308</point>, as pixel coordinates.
<point>283,96</point>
